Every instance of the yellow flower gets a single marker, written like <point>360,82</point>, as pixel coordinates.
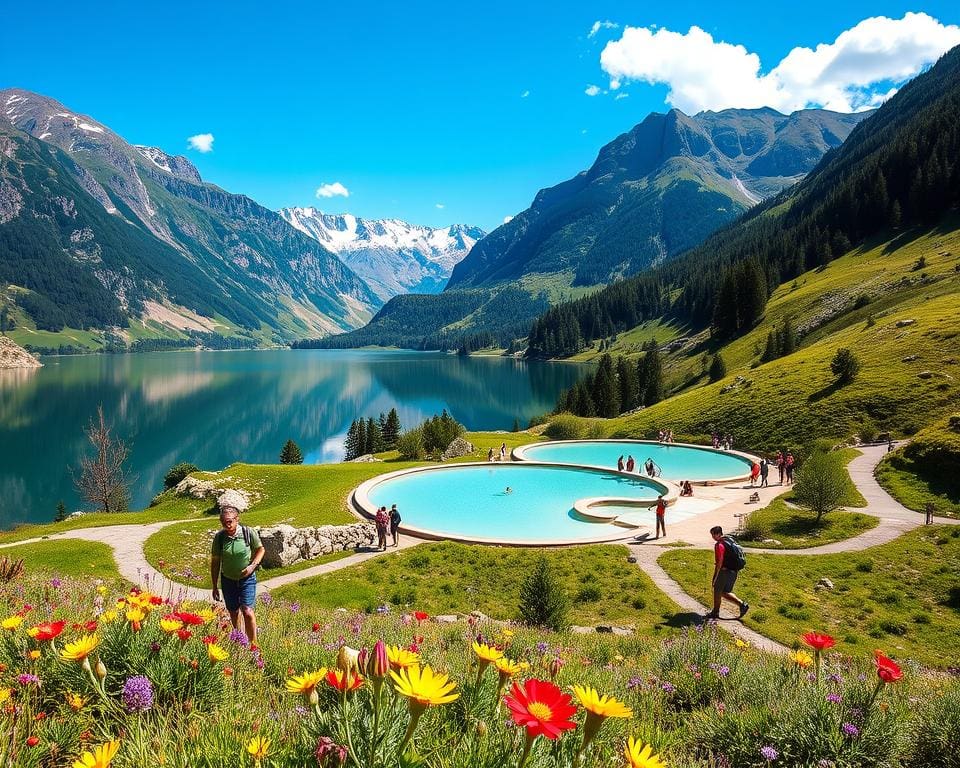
<point>306,682</point>
<point>12,622</point>
<point>486,653</point>
<point>216,653</point>
<point>135,615</point>
<point>5,693</point>
<point>78,650</point>
<point>741,644</point>
<point>206,614</point>
<point>641,756</point>
<point>75,700</point>
<point>257,747</point>
<point>507,634</point>
<point>34,655</point>
<point>170,625</point>
<point>401,658</point>
<point>102,589</point>
<point>99,758</point>
<point>801,658</point>
<point>509,668</point>
<point>601,706</point>
<point>423,687</point>
<point>108,616</point>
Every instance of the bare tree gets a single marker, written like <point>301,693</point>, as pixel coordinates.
<point>103,479</point>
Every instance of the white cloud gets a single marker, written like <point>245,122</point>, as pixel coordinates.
<point>853,72</point>
<point>592,90</point>
<point>441,206</point>
<point>202,142</point>
<point>336,189</point>
<point>524,94</point>
<point>621,96</point>
<point>507,219</point>
<point>598,25</point>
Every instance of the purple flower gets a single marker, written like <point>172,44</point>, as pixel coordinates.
<point>294,607</point>
<point>542,647</point>
<point>55,582</point>
<point>634,682</point>
<point>668,687</point>
<point>833,698</point>
<point>383,608</point>
<point>239,637</point>
<point>137,694</point>
<point>849,729</point>
<point>265,598</point>
<point>154,647</point>
<point>723,671</point>
<point>28,679</point>
<point>769,753</point>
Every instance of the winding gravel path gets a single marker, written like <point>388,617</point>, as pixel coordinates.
<point>127,543</point>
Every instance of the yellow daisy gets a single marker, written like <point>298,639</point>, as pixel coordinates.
<point>78,650</point>
<point>423,687</point>
<point>12,622</point>
<point>100,757</point>
<point>216,653</point>
<point>640,755</point>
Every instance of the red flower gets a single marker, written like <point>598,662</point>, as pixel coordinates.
<point>189,618</point>
<point>887,669</point>
<point>48,630</point>
<point>90,626</point>
<point>184,634</point>
<point>33,741</point>
<point>316,627</point>
<point>818,641</point>
<point>156,600</point>
<point>210,639</point>
<point>344,681</point>
<point>420,616</point>
<point>541,708</point>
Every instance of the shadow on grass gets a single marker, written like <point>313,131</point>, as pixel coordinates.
<point>684,619</point>
<point>826,391</point>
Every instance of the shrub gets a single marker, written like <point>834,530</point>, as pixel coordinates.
<point>291,453</point>
<point>410,445</point>
<point>757,526</point>
<point>718,368</point>
<point>589,594</point>
<point>177,472</point>
<point>821,484</point>
<point>566,426</point>
<point>845,365</point>
<point>543,603</point>
<point>868,430</point>
<point>937,742</point>
<point>439,431</point>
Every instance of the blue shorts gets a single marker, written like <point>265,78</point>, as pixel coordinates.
<point>239,592</point>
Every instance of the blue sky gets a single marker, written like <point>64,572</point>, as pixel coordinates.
<point>413,106</point>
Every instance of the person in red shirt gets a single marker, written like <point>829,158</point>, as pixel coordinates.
<point>661,516</point>
<point>724,576</point>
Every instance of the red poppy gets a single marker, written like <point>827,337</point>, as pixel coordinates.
<point>887,669</point>
<point>210,639</point>
<point>48,630</point>
<point>32,741</point>
<point>156,600</point>
<point>189,618</point>
<point>184,634</point>
<point>344,681</point>
<point>818,641</point>
<point>90,626</point>
<point>541,708</point>
<point>420,616</point>
<point>316,627</point>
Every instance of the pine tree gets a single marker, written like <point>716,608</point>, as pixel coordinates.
<point>4,319</point>
<point>718,368</point>
<point>391,430</point>
<point>654,390</point>
<point>543,602</point>
<point>629,386</point>
<point>291,453</point>
<point>353,445</point>
<point>772,350</point>
<point>61,513</point>
<point>788,338</point>
<point>373,442</point>
<point>606,392</point>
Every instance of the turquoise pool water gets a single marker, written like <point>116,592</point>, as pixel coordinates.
<point>678,462</point>
<point>471,502</point>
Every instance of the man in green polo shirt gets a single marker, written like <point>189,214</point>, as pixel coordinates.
<point>235,555</point>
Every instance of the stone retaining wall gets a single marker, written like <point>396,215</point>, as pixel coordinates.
<point>286,545</point>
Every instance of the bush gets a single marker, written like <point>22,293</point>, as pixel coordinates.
<point>410,445</point>
<point>821,484</point>
<point>845,365</point>
<point>757,526</point>
<point>868,430</point>
<point>937,742</point>
<point>566,426</point>
<point>177,472</point>
<point>718,368</point>
<point>439,431</point>
<point>543,603</point>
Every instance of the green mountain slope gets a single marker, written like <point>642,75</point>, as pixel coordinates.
<point>106,235</point>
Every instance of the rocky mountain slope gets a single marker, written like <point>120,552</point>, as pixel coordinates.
<point>103,233</point>
<point>392,256</point>
<point>14,356</point>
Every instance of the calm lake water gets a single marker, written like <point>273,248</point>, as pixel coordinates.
<point>214,408</point>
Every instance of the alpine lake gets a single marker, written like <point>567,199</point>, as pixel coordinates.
<point>215,408</point>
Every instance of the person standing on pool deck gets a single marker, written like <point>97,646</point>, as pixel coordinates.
<point>650,467</point>
<point>630,464</point>
<point>620,464</point>
<point>235,555</point>
<point>395,520</point>
<point>764,472</point>
<point>724,573</point>
<point>661,516</point>
<point>383,521</point>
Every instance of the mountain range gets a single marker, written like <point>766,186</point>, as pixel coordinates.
<point>98,233</point>
<point>651,194</point>
<point>392,256</point>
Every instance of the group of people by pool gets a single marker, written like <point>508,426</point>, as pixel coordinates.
<point>498,456</point>
<point>649,466</point>
<point>387,520</point>
<point>665,436</point>
<point>784,462</point>
<point>722,442</point>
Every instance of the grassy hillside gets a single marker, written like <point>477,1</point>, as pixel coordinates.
<point>894,304</point>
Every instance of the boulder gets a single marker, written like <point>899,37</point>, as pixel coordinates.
<point>458,447</point>
<point>825,583</point>
<point>905,323</point>
<point>231,497</point>
<point>367,458</point>
<point>197,489</point>
<point>446,619</point>
<point>925,375</point>
<point>577,630</point>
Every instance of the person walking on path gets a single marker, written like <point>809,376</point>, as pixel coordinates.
<point>728,562</point>
<point>754,473</point>
<point>764,472</point>
<point>382,520</point>
<point>503,451</point>
<point>235,555</point>
<point>395,524</point>
<point>788,466</point>
<point>781,465</point>
<point>661,516</point>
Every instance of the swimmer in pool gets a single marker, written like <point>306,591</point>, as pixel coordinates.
<point>509,490</point>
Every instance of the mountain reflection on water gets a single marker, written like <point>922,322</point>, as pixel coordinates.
<point>215,408</point>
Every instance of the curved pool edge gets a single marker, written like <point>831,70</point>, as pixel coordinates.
<point>360,505</point>
<point>517,454</point>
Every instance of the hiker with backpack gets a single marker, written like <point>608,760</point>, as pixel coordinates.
<point>729,561</point>
<point>235,555</point>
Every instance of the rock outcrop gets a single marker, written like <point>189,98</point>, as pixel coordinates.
<point>458,447</point>
<point>12,355</point>
<point>208,489</point>
<point>286,545</point>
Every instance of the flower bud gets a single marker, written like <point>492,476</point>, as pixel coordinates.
<point>348,659</point>
<point>379,664</point>
<point>313,697</point>
<point>482,729</point>
<point>555,666</point>
<point>363,660</point>
<point>101,669</point>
